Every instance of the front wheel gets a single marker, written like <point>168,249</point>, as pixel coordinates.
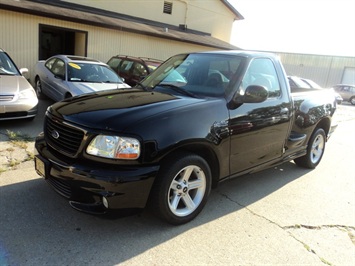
<point>38,89</point>
<point>315,150</point>
<point>352,100</point>
<point>181,189</point>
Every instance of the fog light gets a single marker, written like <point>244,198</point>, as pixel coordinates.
<point>105,202</point>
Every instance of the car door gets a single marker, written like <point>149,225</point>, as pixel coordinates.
<point>259,130</point>
<point>56,80</point>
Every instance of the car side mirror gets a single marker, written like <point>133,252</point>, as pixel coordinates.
<point>23,70</point>
<point>255,94</point>
<point>252,94</point>
<point>59,76</point>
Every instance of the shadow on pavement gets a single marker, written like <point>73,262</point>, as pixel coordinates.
<point>39,227</point>
<point>30,128</point>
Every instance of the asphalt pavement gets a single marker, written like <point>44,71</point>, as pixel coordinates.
<point>282,216</point>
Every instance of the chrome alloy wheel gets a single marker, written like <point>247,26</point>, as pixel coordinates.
<point>187,190</point>
<point>317,148</point>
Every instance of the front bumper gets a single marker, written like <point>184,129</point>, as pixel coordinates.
<point>94,187</point>
<point>18,112</point>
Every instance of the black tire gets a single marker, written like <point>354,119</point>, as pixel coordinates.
<point>38,89</point>
<point>181,188</point>
<point>315,150</point>
<point>352,100</point>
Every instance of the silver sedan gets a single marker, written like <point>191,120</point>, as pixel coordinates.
<point>65,76</point>
<point>17,97</point>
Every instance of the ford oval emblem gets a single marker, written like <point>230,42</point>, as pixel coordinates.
<point>55,134</point>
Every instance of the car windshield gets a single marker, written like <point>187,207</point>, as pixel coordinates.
<point>7,67</point>
<point>195,74</point>
<point>86,72</point>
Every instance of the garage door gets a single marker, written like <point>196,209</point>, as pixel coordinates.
<point>348,76</point>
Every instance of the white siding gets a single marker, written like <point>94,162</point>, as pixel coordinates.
<point>210,16</point>
<point>19,37</point>
<point>325,70</point>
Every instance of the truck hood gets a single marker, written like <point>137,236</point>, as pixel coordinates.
<point>117,110</point>
<point>11,85</point>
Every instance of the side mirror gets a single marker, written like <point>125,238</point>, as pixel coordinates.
<point>23,70</point>
<point>59,76</point>
<point>255,94</point>
<point>252,94</point>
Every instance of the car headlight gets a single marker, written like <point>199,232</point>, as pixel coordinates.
<point>27,94</point>
<point>114,147</point>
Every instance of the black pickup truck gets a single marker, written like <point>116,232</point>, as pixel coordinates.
<point>197,120</point>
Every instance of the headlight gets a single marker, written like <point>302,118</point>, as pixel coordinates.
<point>27,94</point>
<point>114,147</point>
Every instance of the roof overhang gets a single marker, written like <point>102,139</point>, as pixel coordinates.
<point>237,15</point>
<point>57,10</point>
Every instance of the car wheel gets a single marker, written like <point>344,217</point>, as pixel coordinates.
<point>181,188</point>
<point>352,100</point>
<point>315,150</point>
<point>38,89</point>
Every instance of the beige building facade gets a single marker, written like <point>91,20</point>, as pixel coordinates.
<point>209,16</point>
<point>35,30</point>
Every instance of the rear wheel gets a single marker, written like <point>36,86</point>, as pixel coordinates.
<point>352,100</point>
<point>181,189</point>
<point>315,150</point>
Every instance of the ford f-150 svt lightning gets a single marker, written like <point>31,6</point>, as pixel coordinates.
<point>198,119</point>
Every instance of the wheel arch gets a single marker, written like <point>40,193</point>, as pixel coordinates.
<point>204,152</point>
<point>324,124</point>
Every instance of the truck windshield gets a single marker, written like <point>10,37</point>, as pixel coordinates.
<point>197,74</point>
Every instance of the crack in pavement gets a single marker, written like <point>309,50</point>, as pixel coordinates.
<point>299,226</point>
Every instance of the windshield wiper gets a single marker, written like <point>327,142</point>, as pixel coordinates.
<point>177,89</point>
<point>143,87</point>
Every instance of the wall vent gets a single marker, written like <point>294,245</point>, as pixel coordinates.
<point>168,8</point>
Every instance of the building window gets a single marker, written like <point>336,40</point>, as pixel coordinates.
<point>168,8</point>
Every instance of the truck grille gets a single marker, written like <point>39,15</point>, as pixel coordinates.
<point>62,137</point>
<point>61,187</point>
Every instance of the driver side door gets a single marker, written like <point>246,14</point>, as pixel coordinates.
<point>259,130</point>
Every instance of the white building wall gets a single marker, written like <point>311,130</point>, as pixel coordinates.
<point>326,70</point>
<point>19,36</point>
<point>210,16</point>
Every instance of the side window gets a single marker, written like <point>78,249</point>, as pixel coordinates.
<point>49,63</point>
<point>139,70</point>
<point>114,62</point>
<point>58,68</point>
<point>126,66</point>
<point>262,72</point>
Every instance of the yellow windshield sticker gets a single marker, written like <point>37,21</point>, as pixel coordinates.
<point>74,65</point>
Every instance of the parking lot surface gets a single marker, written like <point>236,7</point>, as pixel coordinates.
<point>282,216</point>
